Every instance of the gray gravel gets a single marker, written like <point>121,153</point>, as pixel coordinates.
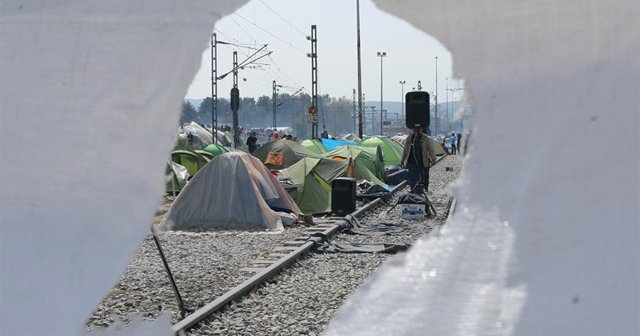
<point>299,301</point>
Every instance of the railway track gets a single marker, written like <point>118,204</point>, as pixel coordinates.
<point>259,274</point>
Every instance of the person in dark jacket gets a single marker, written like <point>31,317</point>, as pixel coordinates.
<point>252,141</point>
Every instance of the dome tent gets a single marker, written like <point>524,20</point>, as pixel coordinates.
<point>234,191</point>
<point>315,146</point>
<point>367,162</point>
<point>190,160</point>
<point>311,179</point>
<point>391,151</point>
<point>215,150</point>
<point>283,153</point>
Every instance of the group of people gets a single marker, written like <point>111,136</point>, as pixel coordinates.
<point>252,139</point>
<point>454,142</point>
<point>418,155</point>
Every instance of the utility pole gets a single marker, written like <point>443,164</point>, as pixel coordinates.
<point>235,101</point>
<point>355,128</point>
<point>214,88</point>
<point>314,83</point>
<point>381,54</point>
<point>435,127</point>
<point>360,94</point>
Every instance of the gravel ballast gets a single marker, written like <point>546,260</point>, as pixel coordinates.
<point>301,300</point>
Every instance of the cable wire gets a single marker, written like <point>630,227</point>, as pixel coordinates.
<point>272,34</point>
<point>283,19</point>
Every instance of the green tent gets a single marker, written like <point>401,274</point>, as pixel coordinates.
<point>312,180</point>
<point>315,146</point>
<point>190,160</point>
<point>206,155</point>
<point>437,147</point>
<point>391,151</point>
<point>367,162</point>
<point>215,150</point>
<point>280,154</point>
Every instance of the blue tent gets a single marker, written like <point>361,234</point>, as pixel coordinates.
<point>331,144</point>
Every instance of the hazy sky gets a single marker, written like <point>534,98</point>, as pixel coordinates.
<point>284,25</point>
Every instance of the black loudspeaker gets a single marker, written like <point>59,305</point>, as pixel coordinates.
<point>417,107</point>
<point>343,196</point>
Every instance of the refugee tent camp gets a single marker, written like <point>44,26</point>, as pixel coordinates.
<point>234,191</point>
<point>391,151</point>
<point>190,160</point>
<point>314,145</point>
<point>310,182</point>
<point>282,153</point>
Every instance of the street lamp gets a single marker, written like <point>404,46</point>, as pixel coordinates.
<point>402,86</point>
<point>446,101</point>
<point>275,95</point>
<point>381,54</point>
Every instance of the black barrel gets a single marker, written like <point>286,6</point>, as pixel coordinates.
<point>343,196</point>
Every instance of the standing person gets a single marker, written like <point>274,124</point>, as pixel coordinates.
<point>418,155</point>
<point>252,141</point>
<point>275,136</point>
<point>444,146</point>
<point>452,142</point>
<point>459,136</point>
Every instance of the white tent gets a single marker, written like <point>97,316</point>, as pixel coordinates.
<point>234,191</point>
<point>202,136</point>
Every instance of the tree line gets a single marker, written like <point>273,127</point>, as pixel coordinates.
<point>335,114</point>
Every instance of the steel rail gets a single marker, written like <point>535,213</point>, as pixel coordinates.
<point>264,275</point>
<point>240,290</point>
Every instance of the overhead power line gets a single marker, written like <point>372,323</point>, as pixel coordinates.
<point>272,34</point>
<point>283,19</point>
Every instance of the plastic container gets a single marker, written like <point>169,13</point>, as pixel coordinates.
<point>410,211</point>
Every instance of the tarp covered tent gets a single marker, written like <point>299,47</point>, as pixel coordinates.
<point>331,144</point>
<point>234,191</point>
<point>350,137</point>
<point>367,162</point>
<point>282,153</point>
<point>176,177</point>
<point>202,136</point>
<point>391,151</point>
<point>311,179</point>
<point>400,138</point>
<point>190,160</point>
<point>315,146</point>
